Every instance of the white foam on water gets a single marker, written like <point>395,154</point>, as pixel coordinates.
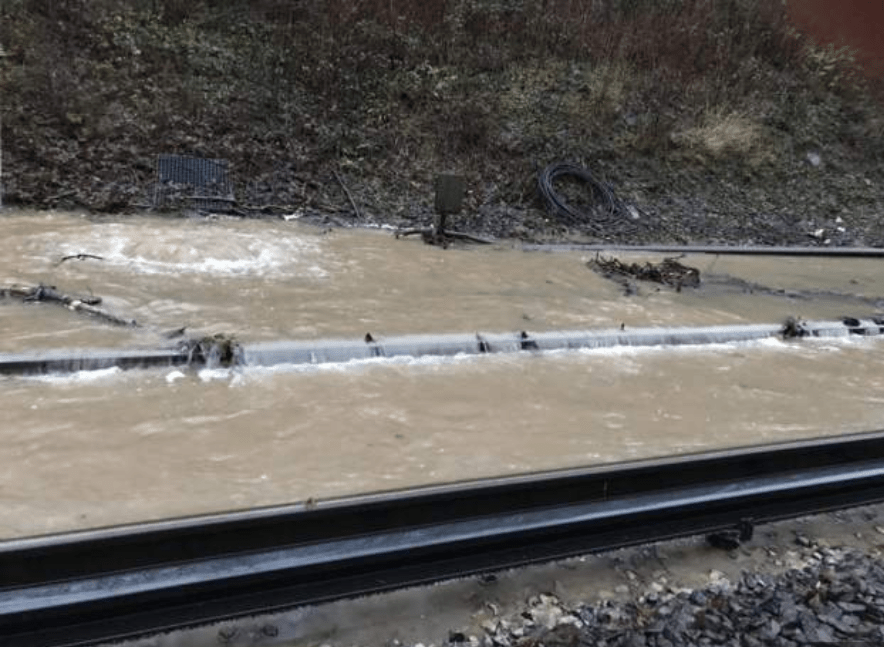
<point>436,362</point>
<point>78,377</point>
<point>174,376</point>
<point>186,248</point>
<point>627,360</point>
<point>626,351</point>
<point>215,374</point>
<point>360,365</point>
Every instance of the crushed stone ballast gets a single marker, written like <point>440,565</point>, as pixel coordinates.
<point>737,250</point>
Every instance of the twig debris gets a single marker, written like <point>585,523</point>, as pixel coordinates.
<point>85,304</point>
<point>668,272</point>
<point>79,257</point>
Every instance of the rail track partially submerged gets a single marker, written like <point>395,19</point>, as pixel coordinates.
<point>226,351</point>
<point>94,586</point>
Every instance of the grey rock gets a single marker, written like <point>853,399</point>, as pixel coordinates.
<point>835,597</point>
<point>698,598</point>
<point>771,630</point>
<point>820,634</point>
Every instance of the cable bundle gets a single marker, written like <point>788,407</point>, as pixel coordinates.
<point>608,214</point>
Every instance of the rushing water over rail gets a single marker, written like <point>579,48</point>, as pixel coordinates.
<point>108,446</point>
<point>344,350</point>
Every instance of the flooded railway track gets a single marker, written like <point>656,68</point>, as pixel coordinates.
<point>90,587</point>
<point>416,346</point>
<point>139,470</point>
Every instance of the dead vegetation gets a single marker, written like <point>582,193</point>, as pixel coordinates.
<point>794,328</point>
<point>667,272</point>
<point>361,102</point>
<point>218,350</point>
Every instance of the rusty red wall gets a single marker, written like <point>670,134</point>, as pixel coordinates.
<point>856,23</point>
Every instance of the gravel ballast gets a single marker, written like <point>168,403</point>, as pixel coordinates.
<point>809,581</point>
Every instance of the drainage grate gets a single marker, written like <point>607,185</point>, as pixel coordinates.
<point>196,182</point>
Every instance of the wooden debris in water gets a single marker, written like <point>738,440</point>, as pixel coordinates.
<point>793,328</point>
<point>213,350</point>
<point>668,272</point>
<point>79,257</point>
<point>85,304</point>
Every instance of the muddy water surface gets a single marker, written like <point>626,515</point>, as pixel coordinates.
<point>108,447</point>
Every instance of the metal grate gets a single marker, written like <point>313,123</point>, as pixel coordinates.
<point>199,183</point>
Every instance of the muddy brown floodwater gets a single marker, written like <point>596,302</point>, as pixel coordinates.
<point>108,447</point>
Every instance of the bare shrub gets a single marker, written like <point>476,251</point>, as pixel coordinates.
<point>722,133</point>
<point>834,67</point>
<point>466,128</point>
<point>416,80</point>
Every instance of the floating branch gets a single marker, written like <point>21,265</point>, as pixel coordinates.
<point>85,304</point>
<point>79,257</point>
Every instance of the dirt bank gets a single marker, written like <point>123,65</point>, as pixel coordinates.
<point>712,123</point>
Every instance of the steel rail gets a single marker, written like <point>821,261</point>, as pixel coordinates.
<point>442,345</point>
<point>744,250</point>
<point>67,361</point>
<point>109,584</point>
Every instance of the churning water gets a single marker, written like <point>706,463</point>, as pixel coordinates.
<point>105,447</point>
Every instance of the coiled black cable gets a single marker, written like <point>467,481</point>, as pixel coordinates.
<point>608,214</point>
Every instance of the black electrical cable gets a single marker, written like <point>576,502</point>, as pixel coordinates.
<point>608,214</point>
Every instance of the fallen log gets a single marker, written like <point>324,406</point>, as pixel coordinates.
<point>83,304</point>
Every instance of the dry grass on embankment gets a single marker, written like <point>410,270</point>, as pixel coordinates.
<point>390,91</point>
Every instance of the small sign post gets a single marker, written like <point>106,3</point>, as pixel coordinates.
<point>450,190</point>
